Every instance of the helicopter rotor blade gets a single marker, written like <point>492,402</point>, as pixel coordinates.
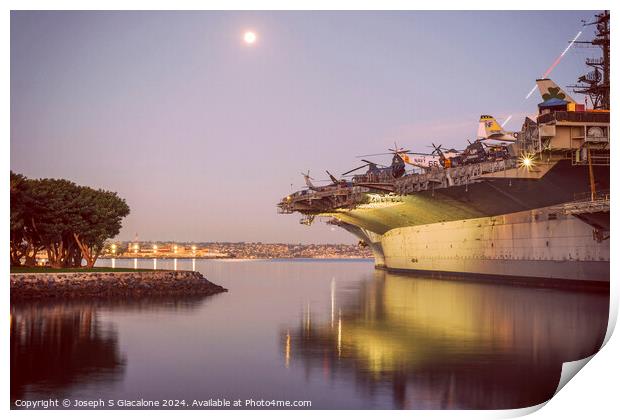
<point>379,165</point>
<point>436,149</point>
<point>374,154</point>
<point>443,149</point>
<point>368,162</point>
<point>355,169</point>
<point>394,151</point>
<point>420,154</point>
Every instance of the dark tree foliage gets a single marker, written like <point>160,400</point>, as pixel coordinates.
<point>70,222</point>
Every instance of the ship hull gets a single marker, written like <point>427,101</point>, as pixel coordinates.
<point>543,246</point>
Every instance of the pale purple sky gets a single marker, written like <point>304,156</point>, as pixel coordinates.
<point>202,134</point>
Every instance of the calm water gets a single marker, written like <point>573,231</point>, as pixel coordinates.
<point>337,333</point>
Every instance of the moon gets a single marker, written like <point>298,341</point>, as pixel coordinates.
<point>249,37</point>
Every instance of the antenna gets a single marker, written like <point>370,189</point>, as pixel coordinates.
<point>595,83</point>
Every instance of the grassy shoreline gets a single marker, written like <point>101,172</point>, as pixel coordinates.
<point>27,270</point>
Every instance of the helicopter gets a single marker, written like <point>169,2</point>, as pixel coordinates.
<point>380,173</point>
<point>480,151</point>
<point>442,157</point>
<point>335,182</point>
<point>439,158</point>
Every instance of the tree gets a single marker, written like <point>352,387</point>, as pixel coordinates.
<point>99,218</point>
<point>54,205</point>
<point>69,221</point>
<point>21,245</point>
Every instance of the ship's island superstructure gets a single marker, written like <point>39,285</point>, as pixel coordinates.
<point>528,205</point>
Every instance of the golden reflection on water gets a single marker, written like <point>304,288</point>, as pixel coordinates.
<point>339,334</point>
<point>455,343</point>
<point>332,299</point>
<point>287,350</point>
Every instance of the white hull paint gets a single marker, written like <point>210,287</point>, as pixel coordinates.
<point>543,243</point>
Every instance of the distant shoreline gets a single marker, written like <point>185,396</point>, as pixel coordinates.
<point>125,257</point>
<point>225,250</point>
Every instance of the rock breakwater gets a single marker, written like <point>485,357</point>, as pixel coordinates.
<point>84,284</point>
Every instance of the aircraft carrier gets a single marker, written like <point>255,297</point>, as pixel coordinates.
<point>529,206</point>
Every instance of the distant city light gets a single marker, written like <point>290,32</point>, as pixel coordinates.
<point>238,250</point>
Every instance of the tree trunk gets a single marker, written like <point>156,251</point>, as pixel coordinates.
<point>74,258</point>
<point>90,261</point>
<point>95,258</point>
<point>16,254</point>
<point>52,256</point>
<point>31,256</point>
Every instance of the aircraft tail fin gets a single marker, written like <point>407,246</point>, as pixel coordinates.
<point>404,157</point>
<point>333,178</point>
<point>549,90</point>
<point>488,127</point>
<point>308,180</point>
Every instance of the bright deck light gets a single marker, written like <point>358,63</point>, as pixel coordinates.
<point>526,161</point>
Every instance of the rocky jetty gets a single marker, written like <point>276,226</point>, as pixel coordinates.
<point>102,284</point>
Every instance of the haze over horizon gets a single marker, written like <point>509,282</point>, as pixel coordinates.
<point>203,133</point>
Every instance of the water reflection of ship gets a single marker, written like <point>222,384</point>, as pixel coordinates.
<point>443,344</point>
<point>60,344</point>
